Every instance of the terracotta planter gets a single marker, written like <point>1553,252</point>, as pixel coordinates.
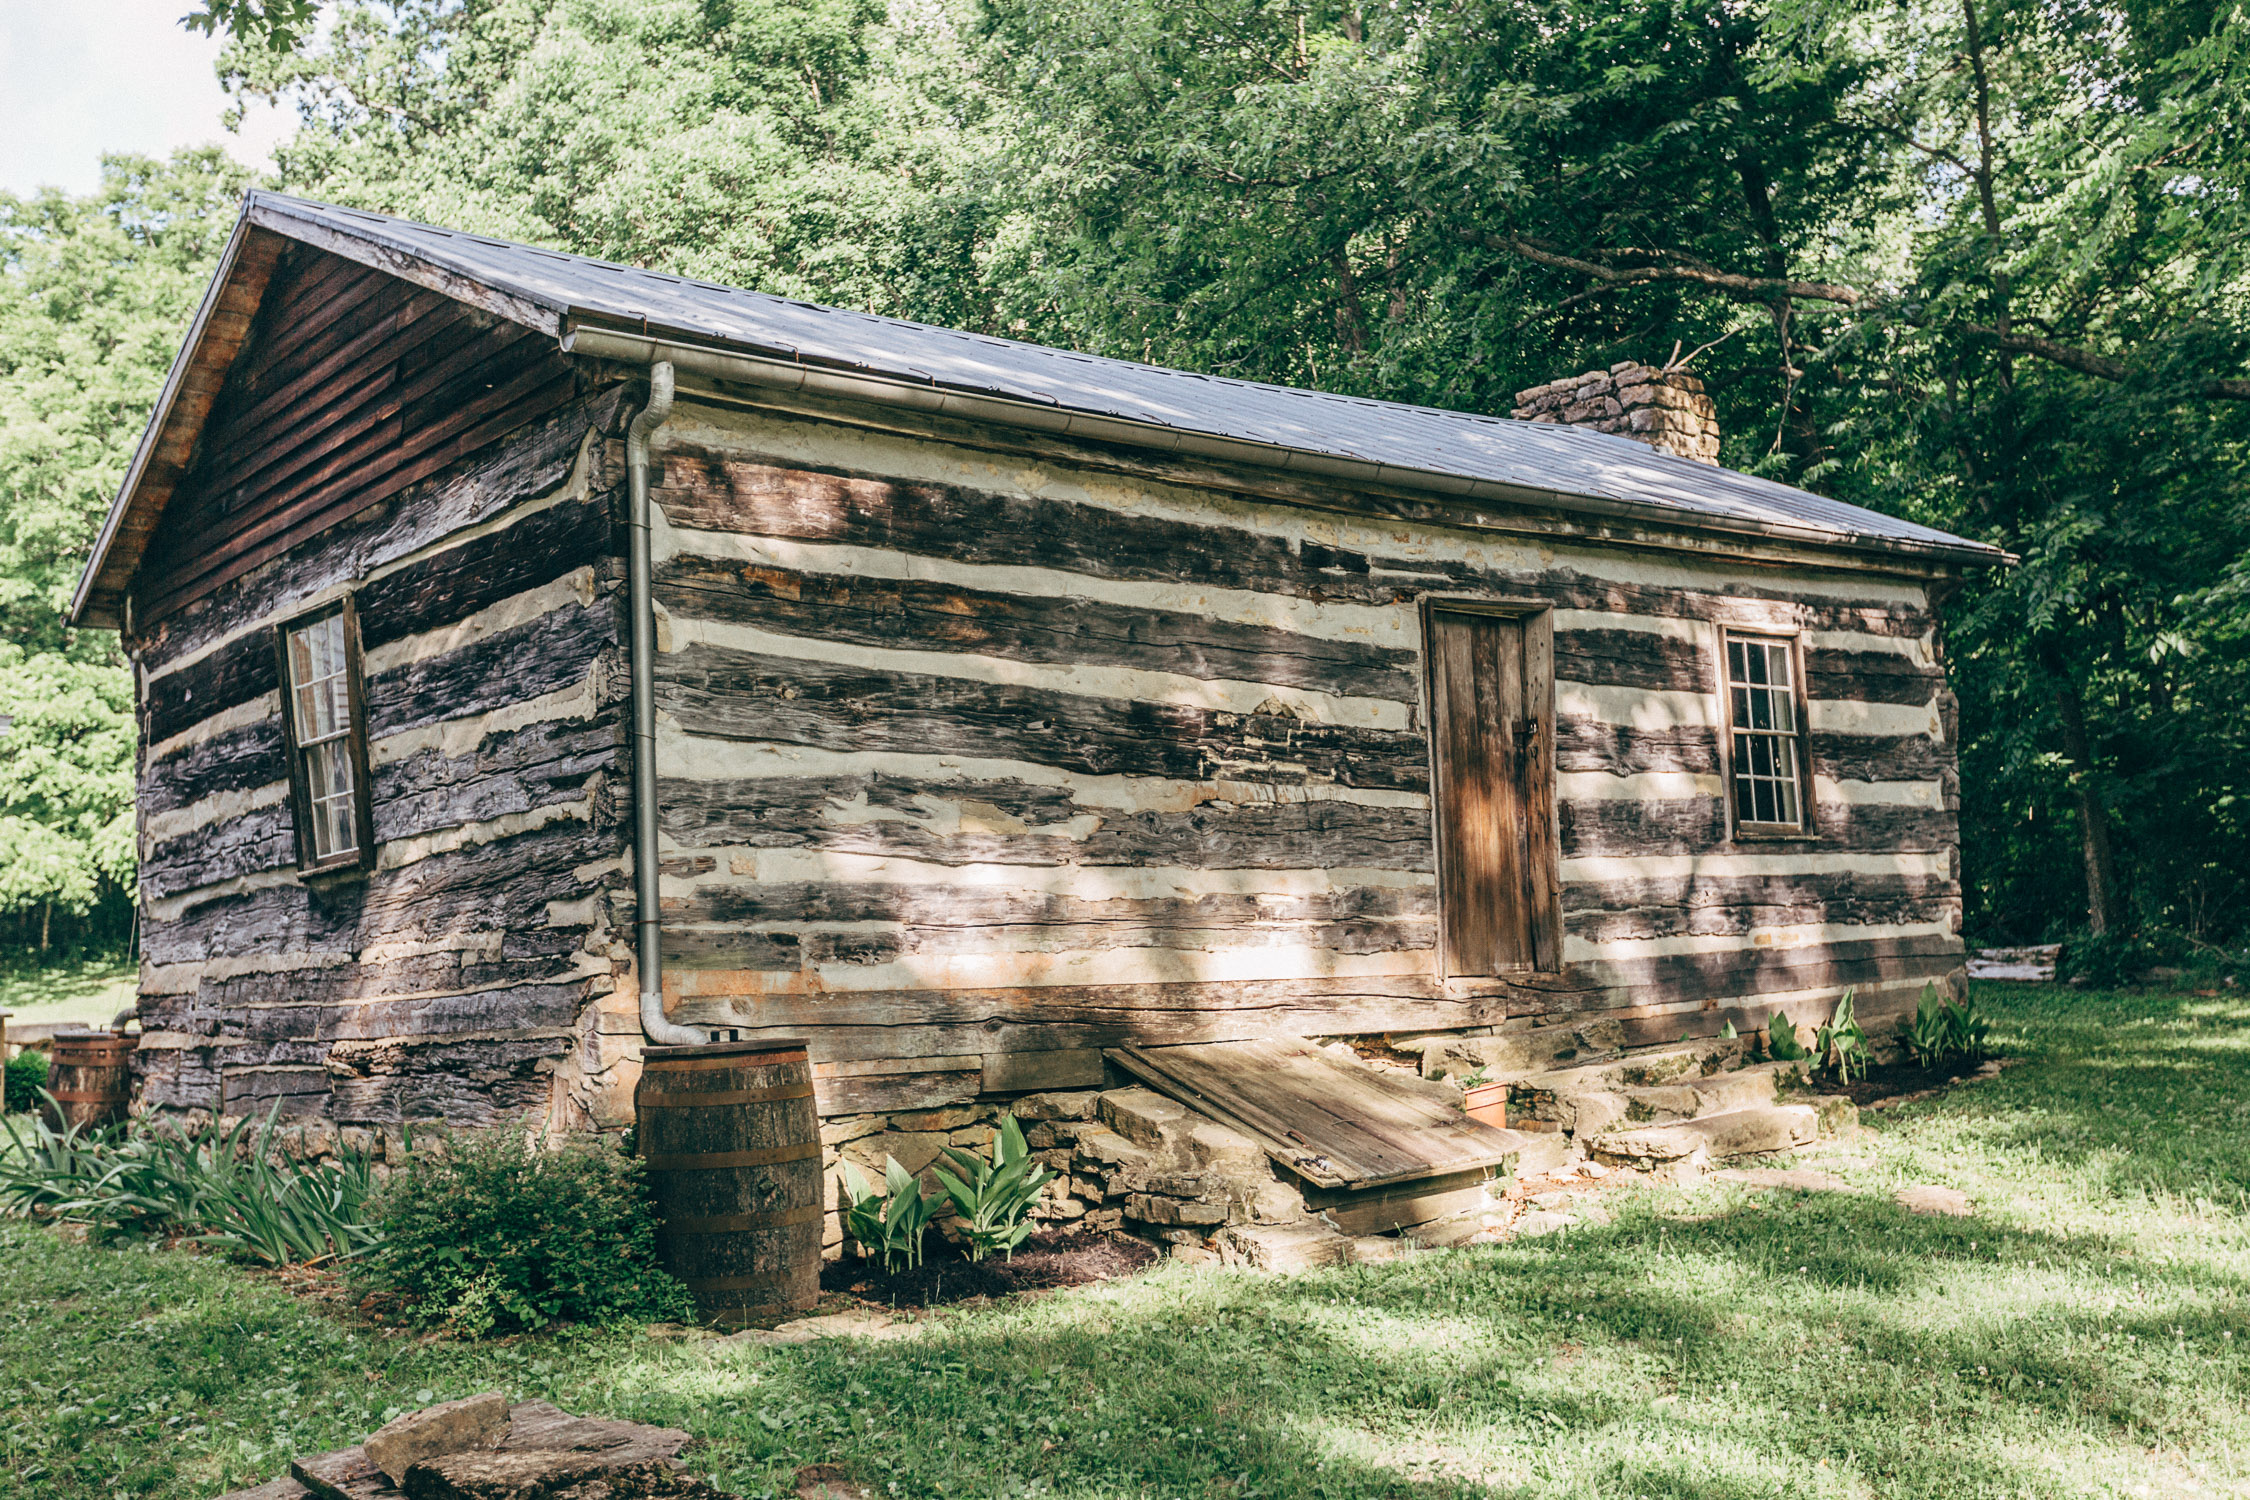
<point>1487,1104</point>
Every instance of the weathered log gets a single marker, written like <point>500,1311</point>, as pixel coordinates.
<point>545,655</point>
<point>926,615</point>
<point>715,690</point>
<point>737,492</point>
<point>1032,824</point>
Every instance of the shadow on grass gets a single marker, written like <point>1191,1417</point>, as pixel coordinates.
<point>1824,1344</point>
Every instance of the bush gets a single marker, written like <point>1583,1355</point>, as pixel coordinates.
<point>27,1075</point>
<point>498,1234</point>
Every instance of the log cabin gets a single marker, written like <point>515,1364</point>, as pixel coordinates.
<point>538,657</point>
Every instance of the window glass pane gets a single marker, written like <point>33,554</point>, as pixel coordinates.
<point>320,703</point>
<point>1763,707</point>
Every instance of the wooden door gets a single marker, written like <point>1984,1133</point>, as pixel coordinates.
<point>1492,755</point>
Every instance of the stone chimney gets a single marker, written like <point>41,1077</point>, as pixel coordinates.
<point>1665,409</point>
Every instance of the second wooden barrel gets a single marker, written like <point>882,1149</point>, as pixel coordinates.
<point>732,1144</point>
<point>90,1075</point>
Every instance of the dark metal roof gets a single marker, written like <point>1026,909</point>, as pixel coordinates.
<point>1449,451</point>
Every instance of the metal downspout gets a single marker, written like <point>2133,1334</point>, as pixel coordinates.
<point>640,571</point>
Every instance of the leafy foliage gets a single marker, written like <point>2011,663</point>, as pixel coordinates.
<point>1840,1044</point>
<point>494,1233</point>
<point>1942,1030</point>
<point>890,1221</point>
<point>94,292</point>
<point>235,1190</point>
<point>1782,1044</point>
<point>994,1197</point>
<point>26,1076</point>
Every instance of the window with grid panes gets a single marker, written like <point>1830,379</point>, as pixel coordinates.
<point>1765,735</point>
<point>319,668</point>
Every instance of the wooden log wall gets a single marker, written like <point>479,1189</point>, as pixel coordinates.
<point>468,502</point>
<point>972,765</point>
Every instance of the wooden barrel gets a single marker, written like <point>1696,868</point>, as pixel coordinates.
<point>90,1073</point>
<point>732,1144</point>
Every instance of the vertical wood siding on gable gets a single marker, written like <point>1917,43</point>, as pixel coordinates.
<point>352,387</point>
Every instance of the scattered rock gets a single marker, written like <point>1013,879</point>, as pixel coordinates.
<point>284,1488</point>
<point>449,1427</point>
<point>1738,1132</point>
<point>829,1482</point>
<point>1542,1222</point>
<point>345,1474</point>
<point>1798,1179</point>
<point>550,1474</point>
<point>1593,1213</point>
<point>1928,1199</point>
<point>857,1323</point>
<point>769,1337</point>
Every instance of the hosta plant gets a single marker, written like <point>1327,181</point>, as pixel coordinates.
<point>1840,1045</point>
<point>994,1197</point>
<point>888,1222</point>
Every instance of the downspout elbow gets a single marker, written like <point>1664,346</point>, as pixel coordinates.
<point>640,588</point>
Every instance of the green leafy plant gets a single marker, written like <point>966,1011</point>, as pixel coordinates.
<point>994,1197</point>
<point>26,1076</point>
<point>1781,1039</point>
<point>1840,1044</point>
<point>1943,1029</point>
<point>890,1221</point>
<point>498,1233</point>
<point>1476,1080</point>
<point>235,1190</point>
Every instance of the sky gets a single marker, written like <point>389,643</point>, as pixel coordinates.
<point>80,77</point>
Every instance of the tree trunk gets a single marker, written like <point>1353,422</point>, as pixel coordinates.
<point>46,920</point>
<point>2093,818</point>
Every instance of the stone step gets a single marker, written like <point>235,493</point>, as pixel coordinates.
<point>1647,1068</point>
<point>1752,1131</point>
<point>1694,1097</point>
<point>1302,1247</point>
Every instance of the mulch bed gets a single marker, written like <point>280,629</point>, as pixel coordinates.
<point>1050,1258</point>
<point>1900,1079</point>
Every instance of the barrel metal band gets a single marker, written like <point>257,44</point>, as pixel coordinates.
<point>758,1283</point>
<point>661,1066</point>
<point>786,1218</point>
<point>717,1097</point>
<point>82,1096</point>
<point>764,1157</point>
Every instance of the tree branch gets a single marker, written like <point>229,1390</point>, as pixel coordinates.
<point>1771,289</point>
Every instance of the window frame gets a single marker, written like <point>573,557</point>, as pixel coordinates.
<point>1799,736</point>
<point>362,856</point>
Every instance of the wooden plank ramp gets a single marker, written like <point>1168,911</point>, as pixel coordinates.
<point>1334,1122</point>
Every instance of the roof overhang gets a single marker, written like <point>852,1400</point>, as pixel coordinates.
<point>591,336</point>
<point>269,222</point>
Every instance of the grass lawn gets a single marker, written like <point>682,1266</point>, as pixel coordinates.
<point>2082,1334</point>
<point>90,992</point>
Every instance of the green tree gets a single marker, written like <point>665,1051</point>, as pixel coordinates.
<point>95,293</point>
<point>814,148</point>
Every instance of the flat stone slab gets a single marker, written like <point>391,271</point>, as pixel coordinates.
<point>1928,1199</point>
<point>1540,1222</point>
<point>550,1474</point>
<point>284,1488</point>
<point>449,1427</point>
<point>1738,1132</point>
<point>1799,1180</point>
<point>857,1324</point>
<point>534,1427</point>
